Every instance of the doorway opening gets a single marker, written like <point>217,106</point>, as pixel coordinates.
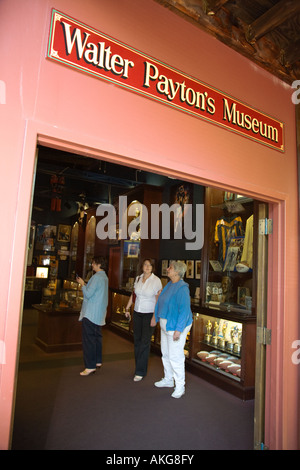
<point>68,190</point>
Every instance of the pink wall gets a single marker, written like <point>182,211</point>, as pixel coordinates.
<point>65,108</point>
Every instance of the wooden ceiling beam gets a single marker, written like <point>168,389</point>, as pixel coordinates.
<point>210,7</point>
<point>290,55</point>
<point>271,19</point>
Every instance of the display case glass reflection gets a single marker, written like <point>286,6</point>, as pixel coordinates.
<point>218,344</point>
<point>73,250</point>
<point>89,248</point>
<point>119,302</point>
<point>228,285</point>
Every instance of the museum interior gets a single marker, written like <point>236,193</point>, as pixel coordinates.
<point>68,192</point>
<point>69,189</point>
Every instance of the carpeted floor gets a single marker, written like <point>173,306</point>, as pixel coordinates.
<point>58,409</point>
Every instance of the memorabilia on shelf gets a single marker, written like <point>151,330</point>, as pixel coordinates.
<point>226,289</point>
<point>248,302</point>
<point>45,235</point>
<point>243,292</point>
<point>197,269</point>
<point>227,228</point>
<point>208,330</point>
<point>197,293</point>
<point>213,291</point>
<point>64,233</point>
<point>221,361</point>
<point>234,253</point>
<point>190,269</point>
<point>164,267</point>
<point>135,223</point>
<point>131,248</point>
<point>216,265</point>
<point>215,334</point>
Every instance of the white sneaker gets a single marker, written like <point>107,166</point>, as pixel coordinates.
<point>164,383</point>
<point>137,378</point>
<point>178,393</point>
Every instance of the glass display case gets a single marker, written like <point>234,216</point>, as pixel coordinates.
<point>228,252</point>
<point>222,348</point>
<point>221,344</point>
<point>58,314</point>
<point>119,300</point>
<point>218,344</point>
<point>89,245</point>
<point>130,262</point>
<point>67,296</point>
<point>73,250</point>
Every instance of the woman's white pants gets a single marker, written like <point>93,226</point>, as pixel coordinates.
<point>173,357</point>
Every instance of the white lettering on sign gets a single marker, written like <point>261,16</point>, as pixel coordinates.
<point>233,115</point>
<point>77,45</point>
<point>95,54</point>
<point>186,94</point>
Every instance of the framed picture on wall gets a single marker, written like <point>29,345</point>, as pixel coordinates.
<point>64,233</point>
<point>198,269</point>
<point>133,250</point>
<point>181,195</point>
<point>164,266</point>
<point>45,235</point>
<point>190,269</point>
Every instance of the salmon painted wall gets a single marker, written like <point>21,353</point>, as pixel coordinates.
<point>43,100</point>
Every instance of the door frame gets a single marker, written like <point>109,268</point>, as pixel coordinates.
<point>52,141</point>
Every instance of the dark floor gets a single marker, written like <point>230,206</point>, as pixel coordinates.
<point>58,409</point>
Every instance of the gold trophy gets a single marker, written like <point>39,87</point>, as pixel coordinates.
<point>208,329</point>
<point>215,334</point>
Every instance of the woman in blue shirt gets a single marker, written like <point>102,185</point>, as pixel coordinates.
<point>92,315</point>
<point>173,311</point>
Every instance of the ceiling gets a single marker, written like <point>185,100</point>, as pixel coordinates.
<point>86,180</point>
<point>265,31</point>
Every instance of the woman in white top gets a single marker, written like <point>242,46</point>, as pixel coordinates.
<point>147,287</point>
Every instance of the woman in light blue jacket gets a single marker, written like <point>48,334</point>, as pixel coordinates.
<point>92,315</point>
<point>173,311</point>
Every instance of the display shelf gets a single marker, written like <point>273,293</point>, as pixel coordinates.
<point>118,299</point>
<point>223,346</point>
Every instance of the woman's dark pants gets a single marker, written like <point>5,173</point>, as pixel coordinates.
<point>91,344</point>
<point>142,332</point>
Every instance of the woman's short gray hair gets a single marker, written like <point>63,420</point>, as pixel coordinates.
<point>180,267</point>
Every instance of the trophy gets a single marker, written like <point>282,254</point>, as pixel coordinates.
<point>222,341</point>
<point>208,329</point>
<point>229,345</point>
<point>215,334</point>
<point>237,345</point>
